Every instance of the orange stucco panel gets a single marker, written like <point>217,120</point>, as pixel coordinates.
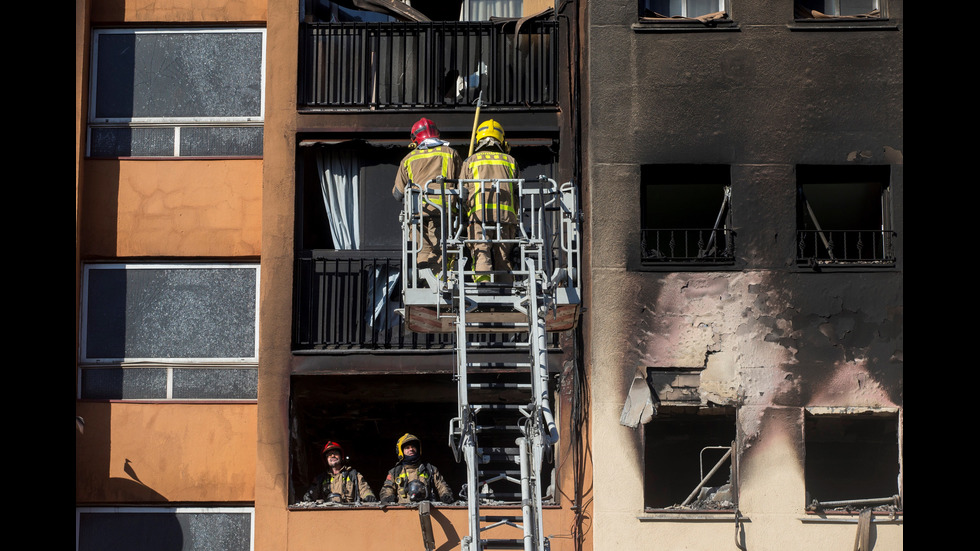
<point>172,208</point>
<point>155,453</point>
<point>115,11</point>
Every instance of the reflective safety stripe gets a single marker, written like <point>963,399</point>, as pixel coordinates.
<point>446,158</point>
<point>511,169</point>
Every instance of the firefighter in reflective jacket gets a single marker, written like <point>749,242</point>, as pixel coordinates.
<point>430,158</point>
<point>339,483</point>
<point>412,479</point>
<point>489,204</point>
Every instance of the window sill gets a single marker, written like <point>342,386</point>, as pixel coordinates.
<point>674,515</point>
<point>813,265</point>
<point>883,517</point>
<point>843,24</point>
<point>683,26</point>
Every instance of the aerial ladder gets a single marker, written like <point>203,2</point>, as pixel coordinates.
<point>505,428</point>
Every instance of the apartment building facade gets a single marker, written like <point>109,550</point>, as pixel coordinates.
<point>744,186</point>
<point>231,318</point>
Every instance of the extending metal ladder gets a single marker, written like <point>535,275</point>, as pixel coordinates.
<point>505,426</point>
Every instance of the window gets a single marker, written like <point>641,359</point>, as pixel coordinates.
<point>680,8</point>
<point>819,9</point>
<point>686,215</point>
<point>180,528</point>
<point>177,92</point>
<point>689,461</point>
<point>843,215</point>
<point>852,460</point>
<point>169,331</point>
<point>434,10</point>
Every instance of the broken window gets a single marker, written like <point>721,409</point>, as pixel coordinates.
<point>366,414</point>
<point>689,459</point>
<point>843,215</point>
<point>159,93</point>
<point>706,10</point>
<point>852,461</point>
<point>687,215</point>
<point>827,9</point>
<point>169,331</point>
<point>101,528</point>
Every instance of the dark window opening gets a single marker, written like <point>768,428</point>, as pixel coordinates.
<point>434,10</point>
<point>686,214</point>
<point>683,445</point>
<point>832,9</point>
<point>843,215</point>
<point>367,414</point>
<point>852,461</point>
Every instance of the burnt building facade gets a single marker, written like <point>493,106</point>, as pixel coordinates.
<point>744,182</point>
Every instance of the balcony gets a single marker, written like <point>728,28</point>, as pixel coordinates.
<point>347,300</point>
<point>688,246</point>
<point>845,247</point>
<point>430,65</point>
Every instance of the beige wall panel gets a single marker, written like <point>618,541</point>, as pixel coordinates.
<point>154,453</point>
<point>172,208</point>
<point>219,11</point>
<point>399,528</point>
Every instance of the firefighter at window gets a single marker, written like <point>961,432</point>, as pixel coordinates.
<point>492,207</point>
<point>339,483</point>
<point>412,479</point>
<point>430,158</point>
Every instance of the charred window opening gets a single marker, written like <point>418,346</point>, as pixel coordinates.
<point>686,215</point>
<point>366,415</point>
<point>843,215</point>
<point>852,461</point>
<point>689,458</point>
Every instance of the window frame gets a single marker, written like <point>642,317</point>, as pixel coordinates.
<point>85,360</point>
<point>166,510</point>
<point>686,413</point>
<point>684,23</point>
<point>176,123</point>
<point>680,174</point>
<point>883,414</point>
<point>811,175</point>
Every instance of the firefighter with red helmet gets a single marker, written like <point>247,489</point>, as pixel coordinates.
<point>430,158</point>
<point>490,204</point>
<point>412,479</point>
<point>339,483</point>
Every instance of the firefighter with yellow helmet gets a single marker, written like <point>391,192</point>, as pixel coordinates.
<point>430,158</point>
<point>490,204</point>
<point>412,479</point>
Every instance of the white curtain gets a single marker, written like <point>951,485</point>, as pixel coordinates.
<point>482,10</point>
<point>381,280</point>
<point>340,184</point>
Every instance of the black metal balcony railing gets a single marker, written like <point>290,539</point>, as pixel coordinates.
<point>845,247</point>
<point>434,64</point>
<point>349,303</point>
<point>688,246</point>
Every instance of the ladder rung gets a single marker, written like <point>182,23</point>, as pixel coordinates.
<point>501,518</point>
<point>490,474</point>
<point>499,428</point>
<point>522,386</point>
<point>478,344</point>
<point>498,365</point>
<point>496,324</point>
<point>498,406</point>
<point>502,544</point>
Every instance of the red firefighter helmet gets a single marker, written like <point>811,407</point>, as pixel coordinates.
<point>332,446</point>
<point>423,130</point>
